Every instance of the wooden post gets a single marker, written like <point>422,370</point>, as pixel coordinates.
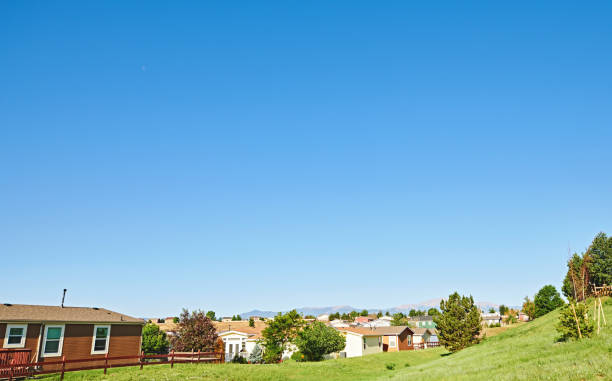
<point>141,359</point>
<point>576,318</point>
<point>172,360</point>
<point>198,356</point>
<point>105,362</point>
<point>11,371</point>
<point>602,312</point>
<point>63,367</point>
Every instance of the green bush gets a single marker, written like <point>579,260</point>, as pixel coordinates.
<point>390,365</point>
<point>239,360</point>
<point>154,340</point>
<point>256,355</point>
<point>297,356</point>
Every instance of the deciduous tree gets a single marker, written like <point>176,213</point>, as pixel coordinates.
<point>529,308</point>
<point>279,332</point>
<point>195,332</point>
<point>546,300</point>
<point>316,340</point>
<point>154,340</point>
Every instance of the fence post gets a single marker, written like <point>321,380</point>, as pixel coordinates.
<point>63,367</point>
<point>105,362</point>
<point>11,371</point>
<point>141,359</point>
<point>198,356</point>
<point>172,360</point>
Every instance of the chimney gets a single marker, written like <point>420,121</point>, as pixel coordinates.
<point>63,297</point>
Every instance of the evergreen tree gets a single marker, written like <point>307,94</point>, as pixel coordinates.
<point>546,300</point>
<point>459,323</point>
<point>256,355</point>
<point>600,252</point>
<point>251,322</point>
<point>154,340</point>
<point>567,322</point>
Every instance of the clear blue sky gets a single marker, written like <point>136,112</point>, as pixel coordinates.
<point>237,155</point>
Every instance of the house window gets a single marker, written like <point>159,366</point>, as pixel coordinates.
<point>101,336</point>
<point>15,335</point>
<point>409,339</point>
<point>392,341</point>
<point>53,340</point>
<point>379,341</point>
<point>364,343</point>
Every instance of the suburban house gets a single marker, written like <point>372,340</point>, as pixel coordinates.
<point>523,317</point>
<point>337,323</point>
<point>490,319</point>
<point>362,341</point>
<point>53,332</point>
<point>377,323</point>
<point>324,317</point>
<point>363,319</point>
<point>421,335</point>
<point>238,337</point>
<point>423,321</point>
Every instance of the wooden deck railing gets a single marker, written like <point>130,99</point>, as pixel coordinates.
<point>17,356</point>
<point>28,369</point>
<point>430,344</point>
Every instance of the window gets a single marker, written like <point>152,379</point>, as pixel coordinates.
<point>379,341</point>
<point>392,341</point>
<point>364,343</point>
<point>100,339</point>
<point>409,339</point>
<point>53,340</point>
<point>15,335</point>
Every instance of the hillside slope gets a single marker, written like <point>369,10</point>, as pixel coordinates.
<point>528,352</point>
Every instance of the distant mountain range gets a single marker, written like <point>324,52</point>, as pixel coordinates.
<point>405,308</point>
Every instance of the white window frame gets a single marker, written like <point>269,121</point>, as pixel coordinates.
<point>93,340</point>
<point>394,341</point>
<point>21,344</point>
<point>61,340</point>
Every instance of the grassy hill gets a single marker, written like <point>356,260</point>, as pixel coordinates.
<point>527,352</point>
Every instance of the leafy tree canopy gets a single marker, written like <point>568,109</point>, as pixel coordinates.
<point>529,308</point>
<point>195,332</point>
<point>316,340</point>
<point>546,300</point>
<point>279,333</point>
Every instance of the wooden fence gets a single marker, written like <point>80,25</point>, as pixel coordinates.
<point>28,369</point>
<point>430,344</point>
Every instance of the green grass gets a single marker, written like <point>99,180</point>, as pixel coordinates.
<point>528,352</point>
<point>358,368</point>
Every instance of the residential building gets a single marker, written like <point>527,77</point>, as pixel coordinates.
<point>53,332</point>
<point>362,341</point>
<point>423,321</point>
<point>421,335</point>
<point>324,317</point>
<point>491,319</point>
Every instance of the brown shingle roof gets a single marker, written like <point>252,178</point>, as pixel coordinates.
<point>377,331</point>
<point>26,312</point>
<point>241,326</point>
<point>420,331</point>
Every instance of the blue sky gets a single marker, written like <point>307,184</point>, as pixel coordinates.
<point>238,155</point>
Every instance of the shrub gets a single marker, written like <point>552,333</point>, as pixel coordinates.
<point>567,322</point>
<point>154,340</point>
<point>390,365</point>
<point>297,356</point>
<point>239,360</point>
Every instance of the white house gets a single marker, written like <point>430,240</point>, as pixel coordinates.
<point>360,344</point>
<point>324,317</point>
<point>421,335</point>
<point>377,323</point>
<point>490,319</point>
<point>238,343</point>
<point>337,323</point>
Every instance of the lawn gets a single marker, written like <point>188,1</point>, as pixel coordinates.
<point>527,352</point>
<point>358,368</point>
<point>524,352</point>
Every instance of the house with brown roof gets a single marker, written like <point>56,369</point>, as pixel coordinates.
<point>362,341</point>
<point>239,337</point>
<point>51,332</point>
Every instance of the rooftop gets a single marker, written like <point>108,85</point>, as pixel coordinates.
<point>34,313</point>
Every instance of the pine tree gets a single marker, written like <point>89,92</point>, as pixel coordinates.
<point>567,322</point>
<point>459,323</point>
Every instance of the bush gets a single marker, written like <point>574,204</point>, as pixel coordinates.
<point>390,365</point>
<point>297,356</point>
<point>154,340</point>
<point>495,325</point>
<point>567,322</point>
<point>317,340</point>
<point>239,360</point>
